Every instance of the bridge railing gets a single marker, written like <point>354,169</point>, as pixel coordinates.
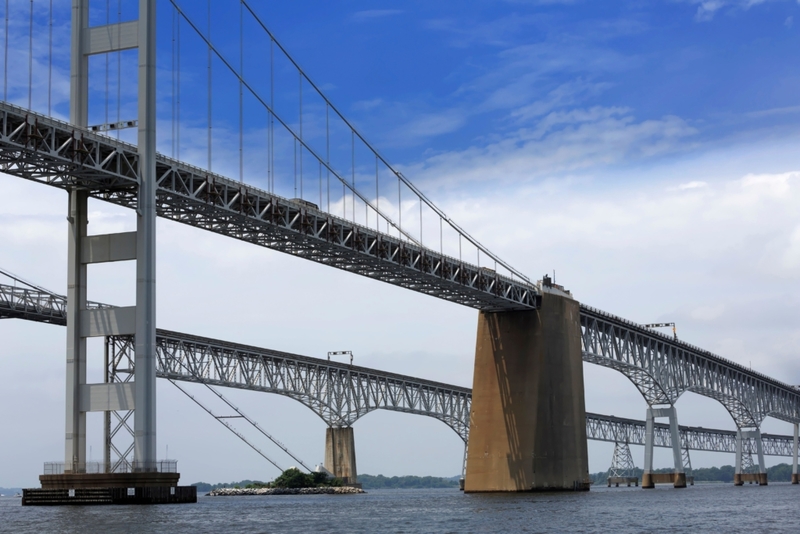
<point>93,468</point>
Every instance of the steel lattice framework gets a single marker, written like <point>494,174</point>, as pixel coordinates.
<point>49,151</point>
<point>648,358</point>
<point>35,305</point>
<point>339,393</point>
<point>663,368</point>
<point>620,430</point>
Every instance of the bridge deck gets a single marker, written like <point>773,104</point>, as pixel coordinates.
<point>52,152</point>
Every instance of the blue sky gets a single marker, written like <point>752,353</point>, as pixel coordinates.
<point>645,150</point>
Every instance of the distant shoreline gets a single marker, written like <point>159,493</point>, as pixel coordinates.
<point>325,490</point>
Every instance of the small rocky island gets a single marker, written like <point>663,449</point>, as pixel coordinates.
<point>292,482</point>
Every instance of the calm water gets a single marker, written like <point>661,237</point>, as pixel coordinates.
<point>703,508</point>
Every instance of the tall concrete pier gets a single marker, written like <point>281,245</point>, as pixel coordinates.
<point>340,453</point>
<point>528,420</point>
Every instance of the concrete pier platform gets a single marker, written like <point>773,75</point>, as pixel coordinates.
<point>795,478</point>
<point>678,480</point>
<point>84,496</point>
<point>759,478</point>
<point>109,488</point>
<point>623,480</point>
<point>528,419</point>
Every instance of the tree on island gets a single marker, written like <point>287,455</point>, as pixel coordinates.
<point>294,478</point>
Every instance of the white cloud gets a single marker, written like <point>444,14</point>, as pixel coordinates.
<point>692,185</point>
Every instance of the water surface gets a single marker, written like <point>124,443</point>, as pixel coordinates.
<point>702,508</point>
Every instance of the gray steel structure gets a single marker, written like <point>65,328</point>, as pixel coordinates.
<point>56,153</point>
<point>339,393</point>
<point>53,152</point>
<point>620,430</point>
<point>662,369</point>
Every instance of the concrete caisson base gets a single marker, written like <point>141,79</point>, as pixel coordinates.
<point>528,419</point>
<point>759,478</point>
<point>340,454</point>
<point>109,488</point>
<point>678,480</point>
<point>84,496</point>
<point>795,478</point>
<point>623,480</point>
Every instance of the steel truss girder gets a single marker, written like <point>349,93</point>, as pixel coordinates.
<point>339,393</point>
<point>347,403</point>
<point>35,305</point>
<point>56,153</point>
<point>620,430</point>
<point>663,368</point>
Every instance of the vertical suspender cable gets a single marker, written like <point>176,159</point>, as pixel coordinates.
<point>5,59</point>
<point>294,144</point>
<point>271,150</point>
<point>50,62</point>
<point>30,59</point>
<point>353,156</point>
<point>209,86</point>
<point>399,209</point>
<point>377,199</point>
<point>172,69</point>
<point>328,154</point>
<point>178,104</point>
<point>119,67</point>
<point>241,93</point>
<point>105,107</point>
<point>300,93</point>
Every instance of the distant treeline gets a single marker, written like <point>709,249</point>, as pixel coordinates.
<point>368,482</point>
<point>777,473</point>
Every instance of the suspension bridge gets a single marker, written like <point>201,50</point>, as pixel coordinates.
<point>313,187</point>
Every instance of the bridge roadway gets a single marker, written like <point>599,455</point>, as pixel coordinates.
<point>340,393</point>
<point>49,151</point>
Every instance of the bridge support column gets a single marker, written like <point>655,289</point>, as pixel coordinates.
<point>340,454</point>
<point>528,419</point>
<point>795,477</point>
<point>740,476</point>
<point>649,479</point>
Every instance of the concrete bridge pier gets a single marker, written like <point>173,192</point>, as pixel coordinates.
<point>650,479</point>
<point>528,419</point>
<point>739,476</point>
<point>795,477</point>
<point>340,454</point>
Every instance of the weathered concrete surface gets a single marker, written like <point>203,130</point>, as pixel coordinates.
<point>623,480</point>
<point>678,480</point>
<point>795,478</point>
<point>340,453</point>
<point>528,420</point>
<point>759,478</point>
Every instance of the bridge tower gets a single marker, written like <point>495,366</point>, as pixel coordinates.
<point>528,419</point>
<point>151,481</point>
